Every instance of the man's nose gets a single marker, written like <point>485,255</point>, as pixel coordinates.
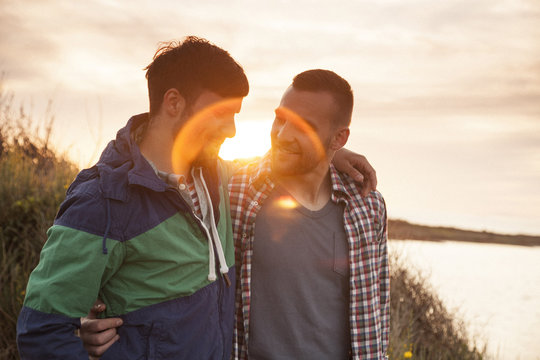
<point>229,128</point>
<point>285,130</point>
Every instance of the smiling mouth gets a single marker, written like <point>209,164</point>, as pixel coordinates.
<point>286,150</point>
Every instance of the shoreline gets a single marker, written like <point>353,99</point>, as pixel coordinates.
<point>403,230</point>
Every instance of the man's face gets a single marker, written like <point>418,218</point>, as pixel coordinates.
<point>302,131</point>
<point>205,126</point>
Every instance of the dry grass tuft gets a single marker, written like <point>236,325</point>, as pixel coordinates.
<point>420,324</point>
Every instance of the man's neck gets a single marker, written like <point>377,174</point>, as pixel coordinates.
<point>157,146</point>
<point>311,190</point>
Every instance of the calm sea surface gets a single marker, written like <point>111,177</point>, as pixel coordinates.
<point>494,288</point>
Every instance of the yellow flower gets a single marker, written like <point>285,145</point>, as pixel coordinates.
<point>407,354</point>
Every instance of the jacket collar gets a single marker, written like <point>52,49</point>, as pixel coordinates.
<point>121,164</point>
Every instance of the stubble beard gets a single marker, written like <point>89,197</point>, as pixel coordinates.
<point>303,164</point>
<point>293,167</point>
<point>209,152</point>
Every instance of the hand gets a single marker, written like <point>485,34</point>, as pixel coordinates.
<point>357,167</point>
<point>98,334</point>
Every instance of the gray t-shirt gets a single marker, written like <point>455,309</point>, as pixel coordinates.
<point>300,282</point>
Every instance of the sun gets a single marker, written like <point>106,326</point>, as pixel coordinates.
<point>252,139</point>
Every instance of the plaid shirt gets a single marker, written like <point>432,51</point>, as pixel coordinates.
<point>365,226</point>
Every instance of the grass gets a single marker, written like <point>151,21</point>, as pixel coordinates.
<point>420,324</point>
<point>33,181</point>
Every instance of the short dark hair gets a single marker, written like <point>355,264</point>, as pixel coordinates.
<point>326,80</point>
<point>191,66</point>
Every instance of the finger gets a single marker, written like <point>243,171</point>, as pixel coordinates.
<point>372,179</point>
<point>365,190</point>
<point>368,171</point>
<point>97,308</point>
<point>98,339</point>
<point>96,351</point>
<point>370,184</point>
<point>356,175</point>
<point>99,325</point>
<point>360,164</point>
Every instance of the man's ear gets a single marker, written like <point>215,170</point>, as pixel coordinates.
<point>340,139</point>
<point>173,103</point>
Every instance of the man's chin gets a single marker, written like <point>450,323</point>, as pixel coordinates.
<point>207,157</point>
<point>281,167</point>
<point>285,156</point>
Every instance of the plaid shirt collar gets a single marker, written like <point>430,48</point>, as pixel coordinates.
<point>263,173</point>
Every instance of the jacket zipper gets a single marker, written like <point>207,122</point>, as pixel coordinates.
<point>225,277</point>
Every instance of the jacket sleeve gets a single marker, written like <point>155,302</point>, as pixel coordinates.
<point>60,290</point>
<point>48,336</point>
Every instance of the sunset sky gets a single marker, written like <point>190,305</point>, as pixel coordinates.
<point>447,94</point>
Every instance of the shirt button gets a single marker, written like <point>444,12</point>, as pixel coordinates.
<point>255,203</point>
<point>182,187</point>
<point>244,235</point>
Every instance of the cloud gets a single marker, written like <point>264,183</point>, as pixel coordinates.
<point>23,48</point>
<point>438,85</point>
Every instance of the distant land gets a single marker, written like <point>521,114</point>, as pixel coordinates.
<point>403,230</point>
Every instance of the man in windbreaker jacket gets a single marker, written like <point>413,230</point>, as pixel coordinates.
<point>147,226</point>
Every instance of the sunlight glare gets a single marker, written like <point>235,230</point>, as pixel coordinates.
<point>252,139</point>
<point>286,202</point>
<point>202,133</point>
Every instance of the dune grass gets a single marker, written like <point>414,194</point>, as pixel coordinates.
<point>33,181</point>
<point>421,326</point>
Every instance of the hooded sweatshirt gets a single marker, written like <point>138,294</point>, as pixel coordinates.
<point>126,236</point>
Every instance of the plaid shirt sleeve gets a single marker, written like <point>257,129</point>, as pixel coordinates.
<point>384,282</point>
<point>237,188</point>
<point>248,188</point>
<point>365,222</point>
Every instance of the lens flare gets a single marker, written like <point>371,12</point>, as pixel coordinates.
<point>286,202</point>
<point>203,129</point>
<point>300,123</point>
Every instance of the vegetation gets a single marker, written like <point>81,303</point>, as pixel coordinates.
<point>421,327</point>
<point>33,181</point>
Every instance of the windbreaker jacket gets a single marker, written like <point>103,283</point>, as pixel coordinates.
<point>125,236</point>
<point>365,223</point>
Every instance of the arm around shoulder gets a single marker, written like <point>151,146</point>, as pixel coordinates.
<point>357,167</point>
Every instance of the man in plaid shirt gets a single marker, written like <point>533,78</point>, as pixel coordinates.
<point>314,247</point>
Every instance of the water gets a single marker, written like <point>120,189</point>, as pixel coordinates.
<point>494,288</point>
